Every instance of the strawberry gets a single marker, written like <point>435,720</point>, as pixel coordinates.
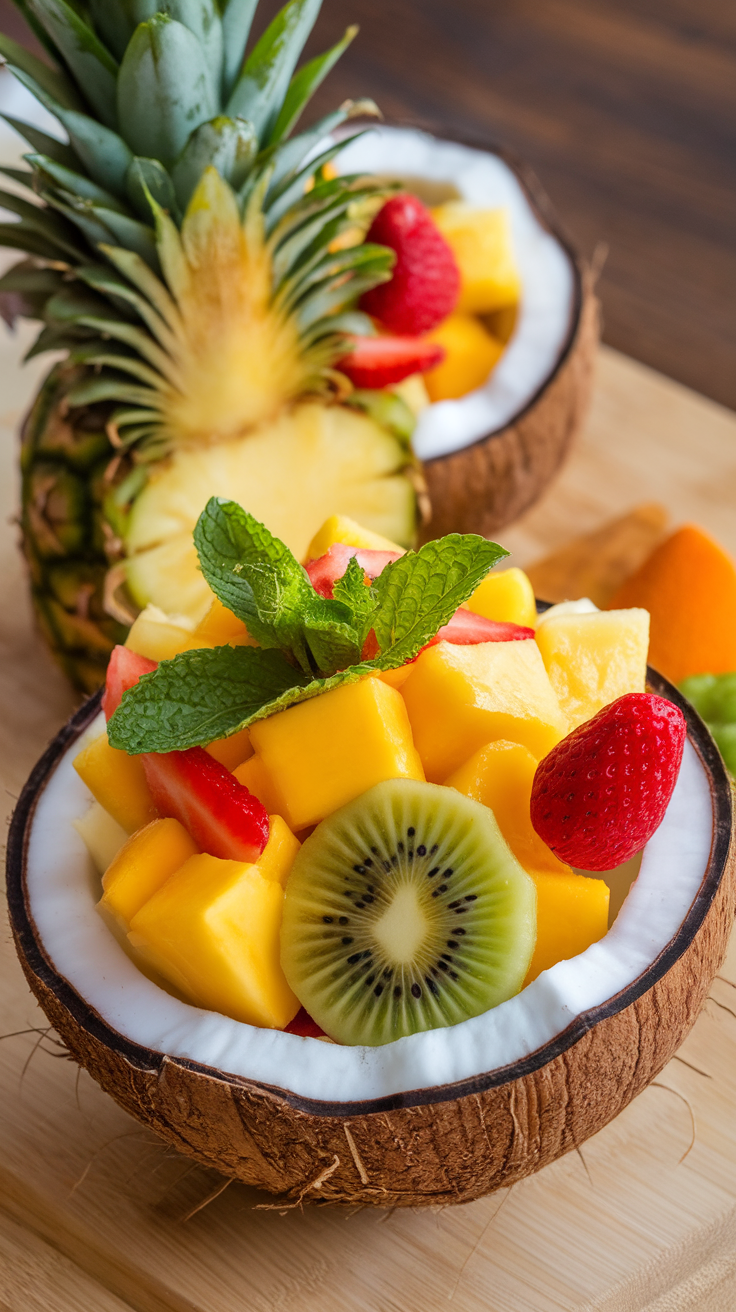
<point>326,570</point>
<point>223,818</point>
<point>425,284</point>
<point>466,628</point>
<point>123,672</point>
<point>602,792</point>
<point>377,362</point>
<point>304,1026</point>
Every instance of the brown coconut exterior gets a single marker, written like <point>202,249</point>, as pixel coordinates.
<point>434,1145</point>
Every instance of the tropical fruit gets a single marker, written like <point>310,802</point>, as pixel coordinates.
<point>118,782</point>
<point>141,867</point>
<point>482,244</point>
<point>506,595</point>
<point>470,353</point>
<point>593,658</point>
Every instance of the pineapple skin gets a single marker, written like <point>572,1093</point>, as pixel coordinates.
<point>64,462</point>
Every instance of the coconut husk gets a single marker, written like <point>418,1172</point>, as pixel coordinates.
<point>440,1145</point>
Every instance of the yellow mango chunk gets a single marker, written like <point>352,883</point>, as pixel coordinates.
<point>396,678</point>
<point>324,752</point>
<point>470,355</point>
<point>340,528</point>
<point>572,913</point>
<point>213,931</point>
<point>592,659</point>
<point>507,596</point>
<point>500,776</point>
<point>254,776</point>
<point>220,628</point>
<point>482,243</point>
<point>140,868</point>
<point>118,782</point>
<point>232,751</point>
<point>460,698</point>
<point>278,855</point>
<point>155,635</point>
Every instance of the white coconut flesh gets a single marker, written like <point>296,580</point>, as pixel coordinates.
<point>547,277</point>
<point>63,888</point>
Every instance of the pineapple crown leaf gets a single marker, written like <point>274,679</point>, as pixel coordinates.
<point>308,644</point>
<point>263,84</point>
<point>52,81</point>
<point>306,82</point>
<point>87,59</point>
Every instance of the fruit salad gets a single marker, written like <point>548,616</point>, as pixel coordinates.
<point>372,794</point>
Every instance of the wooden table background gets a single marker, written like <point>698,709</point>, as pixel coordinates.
<point>627,111</point>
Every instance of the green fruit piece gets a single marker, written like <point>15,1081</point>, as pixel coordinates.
<point>406,911</point>
<point>725,736</point>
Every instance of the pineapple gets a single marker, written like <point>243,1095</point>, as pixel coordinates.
<point>199,266</point>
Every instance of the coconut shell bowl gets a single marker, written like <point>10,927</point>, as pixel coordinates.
<point>440,1117</point>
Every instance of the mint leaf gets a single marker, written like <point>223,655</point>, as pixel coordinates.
<point>352,591</point>
<point>201,696</point>
<point>419,593</point>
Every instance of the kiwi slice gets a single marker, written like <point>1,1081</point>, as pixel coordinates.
<point>405,911</point>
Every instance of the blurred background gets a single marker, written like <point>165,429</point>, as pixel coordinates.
<point>625,109</point>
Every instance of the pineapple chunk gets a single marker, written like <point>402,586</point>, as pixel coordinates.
<point>324,752</point>
<point>142,866</point>
<point>159,637</point>
<point>213,931</point>
<point>470,355</point>
<point>507,596</point>
<point>482,244</point>
<point>500,776</point>
<point>102,836</point>
<point>340,528</point>
<point>118,782</point>
<point>572,914</point>
<point>232,751</point>
<point>460,698</point>
<point>594,658</point>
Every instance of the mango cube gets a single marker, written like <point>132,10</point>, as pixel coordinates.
<point>232,751</point>
<point>482,243</point>
<point>340,528</point>
<point>213,931</point>
<point>470,355</point>
<point>507,596</point>
<point>278,855</point>
<point>324,752</point>
<point>254,776</point>
<point>500,776</point>
<point>592,659</point>
<point>146,861</point>
<point>118,782</point>
<point>460,698</point>
<point>572,914</point>
<point>221,628</point>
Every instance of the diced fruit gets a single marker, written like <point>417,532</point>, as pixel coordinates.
<point>223,818</point>
<point>500,776</point>
<point>148,859</point>
<point>506,595</point>
<point>426,281</point>
<point>220,628</point>
<point>600,794</point>
<point>123,672</point>
<point>154,635</point>
<point>102,836</point>
<point>465,628</point>
<point>471,353</point>
<point>460,698</point>
<point>340,528</point>
<point>572,914</point>
<point>118,782</point>
<point>594,659</point>
<point>232,751</point>
<point>377,362</point>
<point>278,855</point>
<point>303,1026</point>
<point>324,752</point>
<point>397,678</point>
<point>688,585</point>
<point>714,698</point>
<point>326,570</point>
<point>254,776</point>
<point>482,243</point>
<point>213,931</point>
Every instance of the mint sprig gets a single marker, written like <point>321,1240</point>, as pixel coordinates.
<point>309,644</point>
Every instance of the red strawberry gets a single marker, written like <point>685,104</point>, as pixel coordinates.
<point>123,672</point>
<point>602,792</point>
<point>326,570</point>
<point>466,628</point>
<point>223,818</point>
<point>426,280</point>
<point>304,1026</point>
<point>382,361</point>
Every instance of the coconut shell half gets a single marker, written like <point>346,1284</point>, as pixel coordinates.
<point>449,1143</point>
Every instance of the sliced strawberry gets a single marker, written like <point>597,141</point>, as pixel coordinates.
<point>466,628</point>
<point>123,672</point>
<point>326,570</point>
<point>223,818</point>
<point>304,1026</point>
<point>425,284</point>
<point>377,362</point>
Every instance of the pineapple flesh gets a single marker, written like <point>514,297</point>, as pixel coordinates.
<point>187,252</point>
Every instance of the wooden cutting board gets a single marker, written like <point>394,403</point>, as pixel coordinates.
<point>97,1214</point>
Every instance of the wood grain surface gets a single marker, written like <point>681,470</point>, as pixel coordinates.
<point>627,111</point>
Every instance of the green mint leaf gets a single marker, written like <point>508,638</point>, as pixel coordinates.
<point>331,635</point>
<point>351,590</point>
<point>419,593</point>
<point>201,696</point>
